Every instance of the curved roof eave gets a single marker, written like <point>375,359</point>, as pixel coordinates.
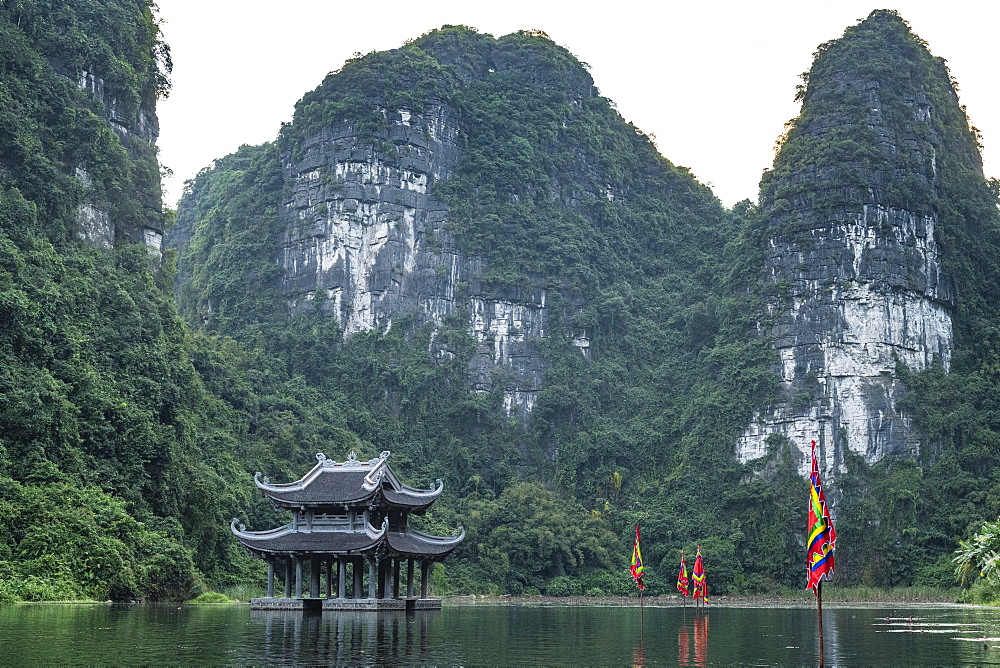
<point>374,533</point>
<point>242,532</point>
<point>424,545</point>
<point>440,540</point>
<point>423,493</point>
<point>272,542</point>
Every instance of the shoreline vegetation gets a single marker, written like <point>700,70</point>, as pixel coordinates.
<point>789,598</point>
<point>831,595</point>
<point>834,597</point>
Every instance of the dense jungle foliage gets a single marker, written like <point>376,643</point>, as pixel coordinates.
<point>115,461</point>
<point>130,433</point>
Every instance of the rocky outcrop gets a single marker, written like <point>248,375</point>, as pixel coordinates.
<point>138,132</point>
<point>142,124</point>
<point>853,267</point>
<point>364,234</point>
<point>862,294</point>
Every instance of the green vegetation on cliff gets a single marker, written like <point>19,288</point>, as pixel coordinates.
<point>881,125</point>
<point>114,460</point>
<point>131,433</point>
<point>554,191</point>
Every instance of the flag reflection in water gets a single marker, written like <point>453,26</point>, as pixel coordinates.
<point>700,639</point>
<point>639,656</point>
<point>700,636</point>
<point>683,646</point>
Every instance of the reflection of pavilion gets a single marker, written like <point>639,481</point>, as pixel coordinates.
<point>344,515</point>
<point>340,638</point>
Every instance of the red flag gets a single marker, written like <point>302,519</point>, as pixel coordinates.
<point>683,586</point>
<point>700,585</point>
<point>636,568</point>
<point>822,537</point>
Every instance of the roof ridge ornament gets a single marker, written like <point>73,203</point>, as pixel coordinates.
<point>352,459</point>
<point>373,479</point>
<point>324,462</point>
<point>374,533</point>
<point>384,455</point>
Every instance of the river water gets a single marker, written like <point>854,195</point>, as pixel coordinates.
<point>877,634</point>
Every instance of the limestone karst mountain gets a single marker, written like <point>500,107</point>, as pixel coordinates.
<point>861,217</point>
<point>460,252</point>
<point>99,401</point>
<point>469,226</point>
<point>119,73</point>
<point>463,176</point>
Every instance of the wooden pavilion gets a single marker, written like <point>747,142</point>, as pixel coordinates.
<point>347,516</point>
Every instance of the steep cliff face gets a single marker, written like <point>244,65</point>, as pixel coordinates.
<point>460,176</point>
<point>137,129</point>
<point>361,227</point>
<point>851,217</point>
<point>110,52</point>
<point>361,230</point>
<point>357,224</point>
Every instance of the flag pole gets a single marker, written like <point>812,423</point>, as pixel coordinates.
<point>641,613</point>
<point>819,611</point>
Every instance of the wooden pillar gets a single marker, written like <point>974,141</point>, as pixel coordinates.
<point>298,576</point>
<point>356,570</point>
<point>341,577</point>
<point>288,577</point>
<point>409,578</point>
<point>395,578</point>
<point>329,577</point>
<point>314,565</point>
<point>424,569</point>
<point>270,577</point>
<point>372,577</point>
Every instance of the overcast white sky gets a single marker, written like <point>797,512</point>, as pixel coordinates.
<point>712,80</point>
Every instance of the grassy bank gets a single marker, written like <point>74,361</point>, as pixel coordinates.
<point>831,594</point>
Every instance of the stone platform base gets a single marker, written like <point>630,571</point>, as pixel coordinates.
<point>369,604</point>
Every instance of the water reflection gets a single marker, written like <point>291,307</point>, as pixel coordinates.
<point>831,642</point>
<point>683,645</point>
<point>288,636</point>
<point>701,638</point>
<point>639,655</point>
<point>492,635</point>
<point>695,629</point>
